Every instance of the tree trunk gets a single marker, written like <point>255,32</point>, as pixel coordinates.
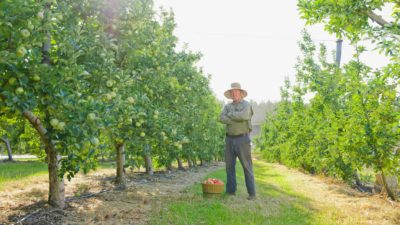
<point>190,163</point>
<point>147,160</point>
<point>56,184</point>
<point>180,164</point>
<point>194,161</point>
<point>357,179</point>
<point>388,190</point>
<point>169,166</point>
<point>120,179</point>
<point>7,143</point>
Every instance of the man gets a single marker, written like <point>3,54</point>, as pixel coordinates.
<point>237,117</point>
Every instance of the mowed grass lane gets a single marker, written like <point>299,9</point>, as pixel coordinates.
<point>277,202</point>
<point>20,170</point>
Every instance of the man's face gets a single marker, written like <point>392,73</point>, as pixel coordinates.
<point>236,95</point>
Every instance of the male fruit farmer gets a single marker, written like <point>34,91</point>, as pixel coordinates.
<point>237,117</point>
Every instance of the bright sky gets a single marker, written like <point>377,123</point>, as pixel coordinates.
<point>253,42</point>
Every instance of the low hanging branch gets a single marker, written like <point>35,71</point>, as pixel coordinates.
<point>37,124</point>
<point>56,185</point>
<point>378,19</point>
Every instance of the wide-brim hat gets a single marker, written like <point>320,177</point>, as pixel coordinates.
<point>235,86</point>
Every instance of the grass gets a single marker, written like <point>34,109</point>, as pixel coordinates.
<point>284,196</point>
<point>106,165</point>
<point>277,203</point>
<point>26,159</point>
<point>24,170</point>
<point>11,171</point>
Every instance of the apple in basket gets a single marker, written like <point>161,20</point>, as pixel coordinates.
<point>213,181</point>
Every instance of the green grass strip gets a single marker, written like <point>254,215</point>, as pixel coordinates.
<point>277,203</point>
<point>13,171</point>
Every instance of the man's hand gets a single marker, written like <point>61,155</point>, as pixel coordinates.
<point>224,118</point>
<point>242,115</point>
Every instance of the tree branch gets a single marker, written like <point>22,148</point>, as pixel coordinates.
<point>378,19</point>
<point>37,124</point>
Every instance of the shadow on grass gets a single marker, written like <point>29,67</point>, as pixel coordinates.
<point>36,213</point>
<point>276,203</point>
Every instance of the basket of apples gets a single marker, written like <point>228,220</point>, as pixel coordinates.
<point>212,186</point>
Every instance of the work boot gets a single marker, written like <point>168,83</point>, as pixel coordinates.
<point>251,197</point>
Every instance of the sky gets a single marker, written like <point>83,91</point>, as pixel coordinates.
<point>253,42</point>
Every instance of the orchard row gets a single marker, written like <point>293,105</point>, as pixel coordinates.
<point>340,120</point>
<point>103,78</point>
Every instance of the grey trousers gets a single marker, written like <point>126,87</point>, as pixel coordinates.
<point>239,147</point>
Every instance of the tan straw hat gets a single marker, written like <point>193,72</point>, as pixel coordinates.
<point>233,87</point>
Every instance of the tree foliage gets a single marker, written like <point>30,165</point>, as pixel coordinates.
<point>335,121</point>
<point>92,75</point>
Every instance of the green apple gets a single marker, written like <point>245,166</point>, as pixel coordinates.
<point>54,122</point>
<point>109,83</point>
<point>21,51</point>
<point>12,80</point>
<point>25,33</point>
<point>131,100</point>
<point>40,15</point>
<point>178,145</point>
<point>95,141</point>
<point>107,97</point>
<point>185,140</point>
<point>142,134</point>
<point>60,126</point>
<point>59,16</point>
<point>36,78</point>
<point>91,116</point>
<point>19,91</point>
<point>30,25</point>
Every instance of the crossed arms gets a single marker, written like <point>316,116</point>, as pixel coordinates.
<point>230,117</point>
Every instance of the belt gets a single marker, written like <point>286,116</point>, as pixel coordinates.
<point>239,135</point>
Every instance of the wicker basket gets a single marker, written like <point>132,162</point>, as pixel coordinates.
<point>213,188</point>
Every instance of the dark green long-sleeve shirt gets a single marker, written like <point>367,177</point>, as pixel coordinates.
<point>237,117</point>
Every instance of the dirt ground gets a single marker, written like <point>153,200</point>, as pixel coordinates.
<point>93,198</point>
